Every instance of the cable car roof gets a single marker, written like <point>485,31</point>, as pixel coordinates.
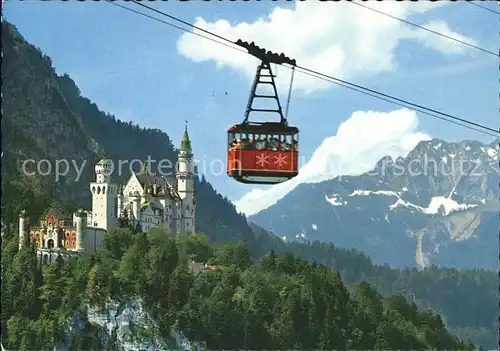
<point>263,127</point>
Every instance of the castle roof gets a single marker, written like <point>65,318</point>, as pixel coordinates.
<point>147,179</point>
<point>55,212</point>
<point>186,143</point>
<point>164,187</point>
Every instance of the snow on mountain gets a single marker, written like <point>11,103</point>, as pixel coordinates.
<point>439,205</point>
<point>437,202</point>
<point>334,200</point>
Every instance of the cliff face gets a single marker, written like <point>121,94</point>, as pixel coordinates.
<point>124,326</point>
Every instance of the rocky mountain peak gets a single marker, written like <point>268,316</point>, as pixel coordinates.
<point>431,205</point>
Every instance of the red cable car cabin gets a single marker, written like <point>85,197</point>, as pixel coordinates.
<point>262,153</point>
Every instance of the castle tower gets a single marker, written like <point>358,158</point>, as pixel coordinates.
<point>81,220</point>
<point>23,228</point>
<point>119,202</point>
<point>185,185</point>
<point>103,196</point>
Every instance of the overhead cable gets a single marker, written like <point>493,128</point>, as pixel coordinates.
<point>484,7</point>
<point>367,91</point>
<point>426,29</point>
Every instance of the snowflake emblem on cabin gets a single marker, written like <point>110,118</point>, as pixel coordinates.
<point>280,160</point>
<point>262,160</point>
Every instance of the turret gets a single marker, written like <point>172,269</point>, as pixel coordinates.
<point>185,184</point>
<point>119,202</point>
<point>185,164</point>
<point>104,196</point>
<point>23,228</point>
<point>81,220</point>
<point>103,171</point>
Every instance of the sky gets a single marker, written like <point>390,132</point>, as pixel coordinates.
<point>157,76</point>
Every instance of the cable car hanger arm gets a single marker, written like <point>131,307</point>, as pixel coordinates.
<point>266,56</point>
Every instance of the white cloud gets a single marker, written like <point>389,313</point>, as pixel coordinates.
<point>442,44</point>
<point>360,142</point>
<point>336,38</point>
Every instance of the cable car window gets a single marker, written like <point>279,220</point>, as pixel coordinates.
<point>260,143</point>
<point>250,145</point>
<point>237,141</point>
<point>269,142</point>
<point>230,139</point>
<point>245,141</point>
<point>295,142</point>
<point>241,139</point>
<point>287,142</point>
<point>274,143</point>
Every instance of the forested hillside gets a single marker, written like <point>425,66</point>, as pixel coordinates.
<point>45,116</point>
<point>281,303</point>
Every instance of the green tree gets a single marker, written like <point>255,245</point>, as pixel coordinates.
<point>233,254</point>
<point>117,241</point>
<point>53,285</point>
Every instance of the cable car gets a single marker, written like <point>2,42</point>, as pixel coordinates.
<point>263,152</point>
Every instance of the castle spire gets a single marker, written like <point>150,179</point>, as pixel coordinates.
<point>186,143</point>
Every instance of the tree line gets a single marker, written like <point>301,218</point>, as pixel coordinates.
<point>281,302</point>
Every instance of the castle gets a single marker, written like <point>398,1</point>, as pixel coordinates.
<point>145,200</point>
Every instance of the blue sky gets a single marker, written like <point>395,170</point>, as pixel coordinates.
<point>131,66</point>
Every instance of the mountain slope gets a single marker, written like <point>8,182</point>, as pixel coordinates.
<point>45,117</point>
<point>439,205</point>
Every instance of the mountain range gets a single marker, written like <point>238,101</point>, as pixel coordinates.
<point>45,116</point>
<point>438,205</point>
